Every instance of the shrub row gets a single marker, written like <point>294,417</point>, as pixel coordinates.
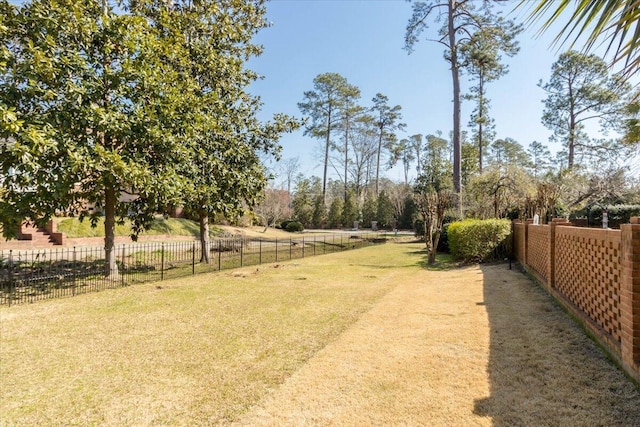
<point>474,240</point>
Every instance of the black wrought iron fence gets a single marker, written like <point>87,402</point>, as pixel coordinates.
<point>32,275</point>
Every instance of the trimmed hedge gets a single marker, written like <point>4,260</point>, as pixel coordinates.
<point>294,226</point>
<point>474,240</point>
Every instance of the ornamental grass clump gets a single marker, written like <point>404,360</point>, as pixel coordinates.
<point>474,240</point>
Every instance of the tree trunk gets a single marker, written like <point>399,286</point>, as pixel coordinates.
<point>204,237</point>
<point>572,140</point>
<point>434,246</point>
<point>480,120</point>
<point>455,74</point>
<point>346,156</point>
<point>326,159</point>
<point>110,201</point>
<point>378,161</point>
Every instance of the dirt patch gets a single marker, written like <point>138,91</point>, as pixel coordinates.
<point>472,346</point>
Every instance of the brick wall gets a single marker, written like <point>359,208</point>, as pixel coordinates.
<point>519,240</point>
<point>588,273</point>
<point>595,274</point>
<point>538,250</point>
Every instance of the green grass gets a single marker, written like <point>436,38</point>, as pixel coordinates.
<point>74,228</point>
<point>194,351</point>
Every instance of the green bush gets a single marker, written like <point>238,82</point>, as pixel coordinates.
<point>617,215</point>
<point>294,226</point>
<point>479,240</point>
<point>443,243</point>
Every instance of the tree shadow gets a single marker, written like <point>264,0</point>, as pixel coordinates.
<point>543,369</point>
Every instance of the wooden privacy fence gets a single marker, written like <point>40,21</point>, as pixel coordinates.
<point>32,275</point>
<point>594,273</point>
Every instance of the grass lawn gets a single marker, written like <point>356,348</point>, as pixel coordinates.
<point>193,351</point>
<point>74,228</point>
<point>365,337</point>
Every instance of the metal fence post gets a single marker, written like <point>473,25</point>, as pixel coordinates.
<point>241,251</point>
<point>219,254</point>
<point>162,261</point>
<point>73,273</point>
<point>290,247</point>
<point>123,260</point>
<point>11,285</point>
<point>276,249</point>
<point>193,258</point>
<point>260,252</point>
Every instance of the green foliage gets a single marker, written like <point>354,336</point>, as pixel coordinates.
<point>294,227</point>
<point>335,213</point>
<point>369,211</point>
<point>409,213</point>
<point>498,191</point>
<point>616,214</point>
<point>323,105</point>
<point>612,22</point>
<point>385,211</point>
<point>388,122</point>
<point>509,152</point>
<point>581,90</point>
<point>475,240</point>
<point>349,212</point>
<point>319,216</point>
<point>443,243</point>
<point>306,192</point>
<point>148,99</point>
<point>284,223</point>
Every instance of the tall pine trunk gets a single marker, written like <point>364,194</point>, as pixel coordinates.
<point>480,122</point>
<point>572,140</point>
<point>326,158</point>
<point>455,74</point>
<point>378,161</point>
<point>346,157</point>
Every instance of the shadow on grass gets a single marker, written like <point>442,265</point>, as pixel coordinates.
<point>443,261</point>
<point>542,368</point>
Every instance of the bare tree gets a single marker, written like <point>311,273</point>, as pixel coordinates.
<point>275,206</point>
<point>288,169</point>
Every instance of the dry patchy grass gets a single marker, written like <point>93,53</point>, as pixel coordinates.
<point>195,351</point>
<point>367,337</point>
<point>470,346</point>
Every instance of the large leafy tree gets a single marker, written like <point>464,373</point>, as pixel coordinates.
<point>581,90</point>
<point>94,90</point>
<point>223,134</point>
<point>147,99</point>
<point>432,191</point>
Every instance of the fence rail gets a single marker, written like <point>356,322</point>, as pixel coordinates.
<point>32,275</point>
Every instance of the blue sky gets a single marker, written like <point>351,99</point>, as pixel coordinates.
<point>363,41</point>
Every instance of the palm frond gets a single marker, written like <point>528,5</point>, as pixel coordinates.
<point>615,23</point>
